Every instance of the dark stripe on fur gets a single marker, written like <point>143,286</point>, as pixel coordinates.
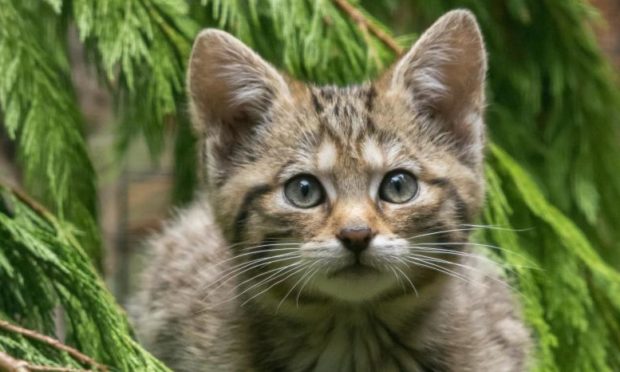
<point>244,210</point>
<point>371,93</point>
<point>370,97</point>
<point>462,210</point>
<point>324,128</point>
<point>318,108</point>
<point>396,341</point>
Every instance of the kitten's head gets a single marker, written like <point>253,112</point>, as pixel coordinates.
<point>343,191</point>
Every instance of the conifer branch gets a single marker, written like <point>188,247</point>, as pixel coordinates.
<point>364,24</point>
<point>53,343</point>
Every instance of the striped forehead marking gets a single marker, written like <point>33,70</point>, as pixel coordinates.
<point>344,113</point>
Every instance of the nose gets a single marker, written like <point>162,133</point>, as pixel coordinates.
<point>355,239</point>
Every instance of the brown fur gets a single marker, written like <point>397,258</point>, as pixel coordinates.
<point>257,283</point>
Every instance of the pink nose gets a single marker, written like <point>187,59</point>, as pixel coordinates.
<point>356,239</point>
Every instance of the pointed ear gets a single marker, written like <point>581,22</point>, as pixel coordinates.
<point>231,90</point>
<point>442,77</point>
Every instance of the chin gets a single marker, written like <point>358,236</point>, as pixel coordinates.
<point>355,285</point>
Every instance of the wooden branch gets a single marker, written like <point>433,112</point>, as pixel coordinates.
<point>53,343</point>
<point>364,23</point>
<point>26,199</point>
<point>32,368</point>
<point>10,364</point>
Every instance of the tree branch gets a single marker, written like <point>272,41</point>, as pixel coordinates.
<point>35,368</point>
<point>24,198</point>
<point>51,342</point>
<point>364,23</point>
<point>10,364</point>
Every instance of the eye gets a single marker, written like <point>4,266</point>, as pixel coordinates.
<point>304,191</point>
<point>398,186</point>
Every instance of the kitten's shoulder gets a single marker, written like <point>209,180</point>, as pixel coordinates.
<point>177,314</point>
<point>484,314</point>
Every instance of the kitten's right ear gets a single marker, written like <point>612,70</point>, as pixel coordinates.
<point>231,90</point>
<point>443,78</point>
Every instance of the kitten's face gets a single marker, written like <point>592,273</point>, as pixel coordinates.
<point>342,192</point>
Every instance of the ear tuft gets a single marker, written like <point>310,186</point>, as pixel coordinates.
<point>443,77</point>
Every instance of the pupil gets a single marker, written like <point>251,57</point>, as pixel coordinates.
<point>304,187</point>
<point>397,183</point>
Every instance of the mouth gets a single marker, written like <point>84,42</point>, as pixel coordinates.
<point>355,282</point>
<point>354,270</point>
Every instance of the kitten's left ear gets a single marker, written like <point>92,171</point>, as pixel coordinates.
<point>232,90</point>
<point>443,78</point>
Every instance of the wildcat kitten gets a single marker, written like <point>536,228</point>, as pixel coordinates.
<point>334,234</point>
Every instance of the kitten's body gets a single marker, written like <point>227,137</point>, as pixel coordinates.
<point>362,278</point>
<point>464,326</point>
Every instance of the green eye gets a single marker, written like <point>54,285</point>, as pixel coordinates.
<point>304,191</point>
<point>398,186</point>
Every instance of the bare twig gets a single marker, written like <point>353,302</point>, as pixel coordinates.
<point>52,342</point>
<point>10,364</point>
<point>364,23</point>
<point>26,199</point>
<point>32,368</point>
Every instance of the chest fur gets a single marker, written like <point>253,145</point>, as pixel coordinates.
<point>342,343</point>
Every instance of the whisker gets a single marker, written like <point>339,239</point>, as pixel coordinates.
<point>469,243</point>
<point>401,283</point>
<point>248,266</point>
<point>273,285</point>
<point>241,243</point>
<point>309,268</point>
<point>434,259</point>
<point>255,252</point>
<point>504,265</point>
<point>306,282</point>
<point>284,244</point>
<point>495,227</point>
<point>238,244</point>
<point>430,265</point>
<point>438,233</point>
<point>406,277</point>
<point>243,265</point>
<point>425,249</point>
<point>276,273</point>
<point>277,270</point>
<point>430,246</point>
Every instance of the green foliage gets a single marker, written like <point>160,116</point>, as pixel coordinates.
<point>41,114</point>
<point>42,268</point>
<point>554,115</point>
<point>570,295</point>
<point>318,42</point>
<point>142,48</point>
